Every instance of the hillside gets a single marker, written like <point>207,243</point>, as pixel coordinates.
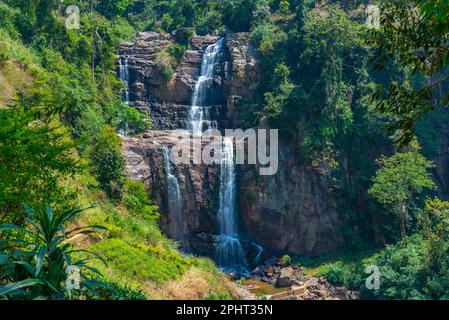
<point>346,119</point>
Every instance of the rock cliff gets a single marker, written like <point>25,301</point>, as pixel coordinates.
<point>292,212</point>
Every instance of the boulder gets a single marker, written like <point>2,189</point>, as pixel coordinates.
<point>323,294</point>
<point>284,278</point>
<point>312,283</point>
<point>341,293</point>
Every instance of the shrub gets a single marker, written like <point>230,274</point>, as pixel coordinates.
<point>402,267</point>
<point>122,116</point>
<point>166,63</point>
<point>136,199</point>
<point>339,274</point>
<point>286,259</point>
<point>36,257</point>
<point>109,165</point>
<point>114,291</point>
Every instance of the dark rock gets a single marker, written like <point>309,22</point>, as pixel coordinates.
<point>323,294</point>
<point>295,282</point>
<point>271,261</point>
<point>312,283</point>
<point>284,278</point>
<point>292,212</point>
<point>353,296</point>
<point>341,293</point>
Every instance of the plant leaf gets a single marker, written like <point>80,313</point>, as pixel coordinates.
<point>40,259</point>
<point>18,285</point>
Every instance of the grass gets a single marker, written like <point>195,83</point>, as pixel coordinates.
<point>131,266</point>
<point>139,256</point>
<point>323,264</point>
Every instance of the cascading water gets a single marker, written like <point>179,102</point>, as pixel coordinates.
<point>199,111</point>
<point>124,78</point>
<point>230,255</point>
<point>174,198</point>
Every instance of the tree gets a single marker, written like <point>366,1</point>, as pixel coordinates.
<point>415,33</point>
<point>435,227</point>
<point>34,156</point>
<point>399,178</point>
<point>261,14</point>
<point>114,8</point>
<point>238,14</point>
<point>109,165</point>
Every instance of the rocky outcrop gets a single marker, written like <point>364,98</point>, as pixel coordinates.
<point>297,283</point>
<point>206,244</point>
<point>198,183</point>
<point>167,101</point>
<point>292,212</point>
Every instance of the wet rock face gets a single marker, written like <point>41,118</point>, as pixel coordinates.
<point>292,212</point>
<point>167,101</point>
<point>198,183</point>
<point>206,244</point>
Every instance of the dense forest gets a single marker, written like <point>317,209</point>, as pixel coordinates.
<point>363,105</point>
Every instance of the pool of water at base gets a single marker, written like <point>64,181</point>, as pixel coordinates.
<point>261,288</point>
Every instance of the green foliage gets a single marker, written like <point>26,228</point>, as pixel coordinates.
<point>219,297</point>
<point>131,265</point>
<point>238,14</point>
<point>400,177</point>
<point>35,258</point>
<point>114,291</point>
<point>435,229</point>
<point>267,37</point>
<point>113,8</point>
<point>124,117</point>
<point>415,268</point>
<point>34,156</point>
<point>284,7</point>
<point>167,59</point>
<point>402,267</point>
<point>109,165</point>
<point>415,34</point>
<point>286,259</point>
<point>166,63</point>
<point>137,201</point>
<point>339,274</point>
<point>314,78</point>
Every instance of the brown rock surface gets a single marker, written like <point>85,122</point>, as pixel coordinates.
<point>292,212</point>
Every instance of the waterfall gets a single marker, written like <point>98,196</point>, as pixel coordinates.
<point>174,198</point>
<point>230,255</point>
<point>199,111</point>
<point>124,78</point>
